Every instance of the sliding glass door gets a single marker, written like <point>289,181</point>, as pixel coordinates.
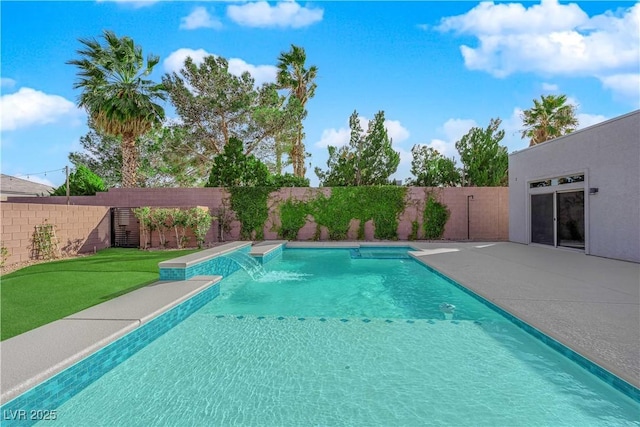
<point>570,214</point>
<point>557,219</point>
<point>542,218</point>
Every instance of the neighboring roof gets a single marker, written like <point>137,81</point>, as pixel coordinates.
<point>15,187</point>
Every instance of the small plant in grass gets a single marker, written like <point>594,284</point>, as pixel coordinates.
<point>4,255</point>
<point>436,216</point>
<point>200,221</point>
<point>44,242</point>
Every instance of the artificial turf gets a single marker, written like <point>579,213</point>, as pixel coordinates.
<point>42,293</point>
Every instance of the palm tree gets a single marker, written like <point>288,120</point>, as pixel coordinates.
<point>293,75</point>
<point>549,118</point>
<point>117,94</point>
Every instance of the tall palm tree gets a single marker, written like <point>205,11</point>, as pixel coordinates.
<point>300,82</point>
<point>117,94</point>
<point>549,118</point>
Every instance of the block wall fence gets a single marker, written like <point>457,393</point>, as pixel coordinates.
<point>79,229</point>
<point>488,211</point>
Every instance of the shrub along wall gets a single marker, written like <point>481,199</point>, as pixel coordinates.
<point>324,213</point>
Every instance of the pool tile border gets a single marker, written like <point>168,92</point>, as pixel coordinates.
<point>214,263</point>
<point>58,389</point>
<point>613,380</point>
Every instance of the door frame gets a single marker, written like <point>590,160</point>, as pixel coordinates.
<point>563,188</point>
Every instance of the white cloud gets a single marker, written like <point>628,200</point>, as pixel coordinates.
<point>175,61</point>
<point>333,137</point>
<point>260,73</point>
<point>550,39</point>
<point>7,82</point>
<point>586,120</point>
<point>199,18</point>
<point>29,107</point>
<point>625,85</point>
<point>446,148</point>
<point>396,131</point>
<point>454,129</point>
<point>340,137</point>
<point>284,14</point>
<point>550,87</point>
<point>405,161</point>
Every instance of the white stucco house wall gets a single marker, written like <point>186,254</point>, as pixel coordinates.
<point>580,191</point>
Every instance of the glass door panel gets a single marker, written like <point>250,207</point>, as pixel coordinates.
<point>542,219</point>
<point>570,214</point>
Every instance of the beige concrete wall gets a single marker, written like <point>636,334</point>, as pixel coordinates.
<point>79,229</point>
<point>488,210</point>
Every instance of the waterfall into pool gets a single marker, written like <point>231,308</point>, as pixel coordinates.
<point>248,263</point>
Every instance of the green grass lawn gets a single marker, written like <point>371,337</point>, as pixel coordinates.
<point>37,295</point>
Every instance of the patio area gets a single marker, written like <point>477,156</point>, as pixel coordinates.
<point>588,303</point>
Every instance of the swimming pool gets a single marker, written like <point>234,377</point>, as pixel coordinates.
<point>339,337</point>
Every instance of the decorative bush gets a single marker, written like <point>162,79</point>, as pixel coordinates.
<point>415,229</point>
<point>146,225</point>
<point>250,206</point>
<point>44,243</point>
<point>293,216</point>
<point>180,222</point>
<point>382,204</point>
<point>200,222</point>
<point>161,219</point>
<point>4,255</point>
<point>436,216</point>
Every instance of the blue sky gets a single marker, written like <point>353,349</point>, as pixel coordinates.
<point>435,68</point>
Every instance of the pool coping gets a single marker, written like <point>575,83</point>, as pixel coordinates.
<point>74,338</point>
<point>202,256</point>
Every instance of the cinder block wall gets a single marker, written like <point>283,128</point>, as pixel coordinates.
<point>488,210</point>
<point>79,229</point>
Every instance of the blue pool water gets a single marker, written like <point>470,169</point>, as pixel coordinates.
<point>333,337</point>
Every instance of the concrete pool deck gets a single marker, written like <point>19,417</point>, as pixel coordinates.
<point>590,304</point>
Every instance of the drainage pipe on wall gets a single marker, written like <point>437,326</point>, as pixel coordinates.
<point>469,197</point>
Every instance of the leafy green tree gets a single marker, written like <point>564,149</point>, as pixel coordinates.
<point>485,161</point>
<point>288,180</point>
<point>300,81</point>
<point>278,118</point>
<point>158,164</point>
<point>549,118</point>
<point>233,168</point>
<point>118,96</point>
<point>432,169</point>
<point>368,159</point>
<point>82,182</point>
<point>214,106</point>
